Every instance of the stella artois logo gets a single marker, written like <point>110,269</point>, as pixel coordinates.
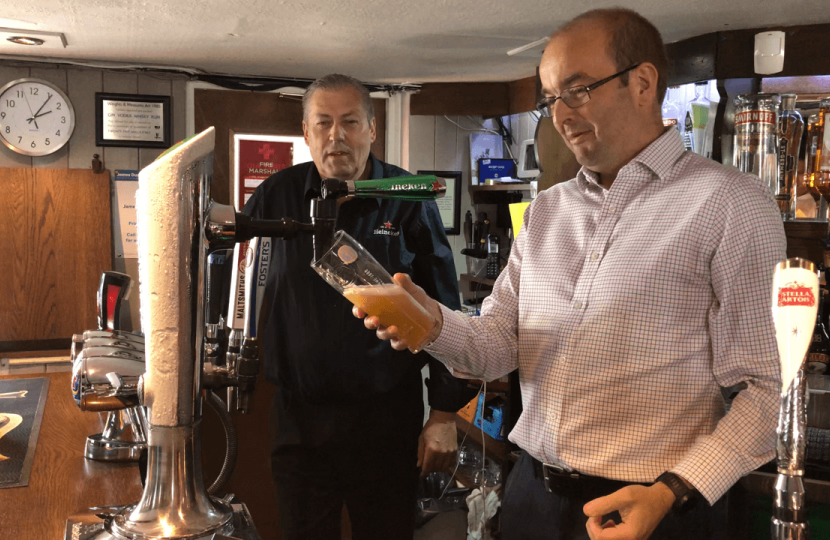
<point>755,117</point>
<point>796,294</point>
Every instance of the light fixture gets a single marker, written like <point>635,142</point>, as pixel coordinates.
<point>26,40</point>
<point>11,37</point>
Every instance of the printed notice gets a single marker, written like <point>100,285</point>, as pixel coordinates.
<point>133,121</point>
<point>126,184</point>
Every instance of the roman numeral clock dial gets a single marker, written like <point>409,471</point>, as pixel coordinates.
<point>36,117</point>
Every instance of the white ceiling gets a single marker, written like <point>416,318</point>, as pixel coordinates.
<point>374,40</point>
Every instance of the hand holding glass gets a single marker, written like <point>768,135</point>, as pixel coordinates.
<point>352,270</point>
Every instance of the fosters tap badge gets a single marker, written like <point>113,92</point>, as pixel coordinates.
<point>796,294</point>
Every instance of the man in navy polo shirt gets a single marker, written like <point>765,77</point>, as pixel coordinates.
<point>347,420</point>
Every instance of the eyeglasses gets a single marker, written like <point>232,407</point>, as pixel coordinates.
<point>576,96</point>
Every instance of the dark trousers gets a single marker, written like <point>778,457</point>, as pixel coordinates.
<point>367,462</point>
<point>530,512</point>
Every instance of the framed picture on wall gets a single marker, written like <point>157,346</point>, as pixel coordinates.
<point>132,120</point>
<point>450,204</point>
<point>256,156</point>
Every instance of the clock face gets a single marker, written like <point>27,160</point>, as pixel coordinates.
<point>36,118</point>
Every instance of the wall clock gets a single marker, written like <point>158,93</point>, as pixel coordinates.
<point>36,117</point>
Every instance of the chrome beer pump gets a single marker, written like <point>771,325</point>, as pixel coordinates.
<point>107,351</point>
<point>794,306</point>
<point>181,231</point>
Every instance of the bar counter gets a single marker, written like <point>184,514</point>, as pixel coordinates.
<point>63,483</point>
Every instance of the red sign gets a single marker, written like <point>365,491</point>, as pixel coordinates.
<point>796,294</point>
<point>257,160</point>
<point>755,117</point>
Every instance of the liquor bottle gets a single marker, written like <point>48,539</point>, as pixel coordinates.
<point>756,136</point>
<point>813,135</point>
<point>672,114</point>
<point>818,355</point>
<point>688,139</point>
<point>821,164</point>
<point>410,188</point>
<point>699,110</point>
<point>790,128</point>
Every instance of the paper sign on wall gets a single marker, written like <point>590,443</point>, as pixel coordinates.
<point>126,184</point>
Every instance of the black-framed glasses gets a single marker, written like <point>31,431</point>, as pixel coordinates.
<point>576,96</point>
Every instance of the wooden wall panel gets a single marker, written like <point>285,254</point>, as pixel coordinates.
<point>379,146</point>
<point>523,95</point>
<point>805,51</point>
<point>482,99</point>
<point>692,59</point>
<point>56,227</point>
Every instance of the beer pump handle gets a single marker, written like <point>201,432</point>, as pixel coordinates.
<point>113,288</point>
<point>215,284</point>
<point>409,188</point>
<point>795,297</point>
<point>794,307</point>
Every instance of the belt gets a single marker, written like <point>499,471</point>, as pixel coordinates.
<point>569,483</point>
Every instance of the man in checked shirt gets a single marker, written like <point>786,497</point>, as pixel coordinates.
<point>634,293</point>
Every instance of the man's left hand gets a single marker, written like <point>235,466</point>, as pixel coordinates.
<point>438,443</point>
<point>641,508</point>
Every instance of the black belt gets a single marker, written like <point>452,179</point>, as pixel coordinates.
<point>567,483</point>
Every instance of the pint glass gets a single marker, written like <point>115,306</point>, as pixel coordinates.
<point>352,270</point>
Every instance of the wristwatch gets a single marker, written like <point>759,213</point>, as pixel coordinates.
<point>685,497</point>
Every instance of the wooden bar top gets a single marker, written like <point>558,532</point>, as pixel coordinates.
<point>62,482</point>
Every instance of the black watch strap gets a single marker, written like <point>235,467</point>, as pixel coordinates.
<point>685,497</point>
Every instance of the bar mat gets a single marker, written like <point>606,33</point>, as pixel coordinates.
<point>22,402</point>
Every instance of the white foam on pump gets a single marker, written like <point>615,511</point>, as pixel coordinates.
<point>164,214</point>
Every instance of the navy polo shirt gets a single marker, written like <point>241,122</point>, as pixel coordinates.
<point>314,349</point>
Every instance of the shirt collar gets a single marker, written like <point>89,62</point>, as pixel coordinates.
<point>659,157</point>
<point>313,179</point>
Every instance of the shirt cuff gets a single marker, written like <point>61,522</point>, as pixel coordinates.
<point>712,468</point>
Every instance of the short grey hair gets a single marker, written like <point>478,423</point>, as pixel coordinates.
<point>336,81</point>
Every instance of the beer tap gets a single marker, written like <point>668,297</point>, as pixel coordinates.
<point>794,306</point>
<point>102,357</point>
<point>180,227</point>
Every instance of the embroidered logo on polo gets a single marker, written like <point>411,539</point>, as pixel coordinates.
<point>387,229</point>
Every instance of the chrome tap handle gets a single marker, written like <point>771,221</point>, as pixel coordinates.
<point>112,290</point>
<point>794,306</point>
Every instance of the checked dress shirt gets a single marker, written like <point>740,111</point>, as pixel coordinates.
<point>626,310</point>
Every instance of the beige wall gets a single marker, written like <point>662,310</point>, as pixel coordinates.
<point>81,85</point>
<point>435,143</point>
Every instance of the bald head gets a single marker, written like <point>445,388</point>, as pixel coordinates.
<point>630,39</point>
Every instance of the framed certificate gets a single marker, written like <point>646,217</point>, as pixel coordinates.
<point>450,204</point>
<point>134,121</point>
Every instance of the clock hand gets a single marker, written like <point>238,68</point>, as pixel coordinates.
<point>27,103</point>
<point>34,118</point>
<point>44,104</point>
<point>30,110</point>
<point>38,116</point>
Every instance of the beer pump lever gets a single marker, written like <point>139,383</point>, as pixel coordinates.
<point>794,305</point>
<point>179,229</point>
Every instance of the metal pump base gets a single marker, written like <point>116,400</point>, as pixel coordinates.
<point>98,525</point>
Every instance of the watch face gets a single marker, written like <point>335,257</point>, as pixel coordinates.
<point>36,118</point>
